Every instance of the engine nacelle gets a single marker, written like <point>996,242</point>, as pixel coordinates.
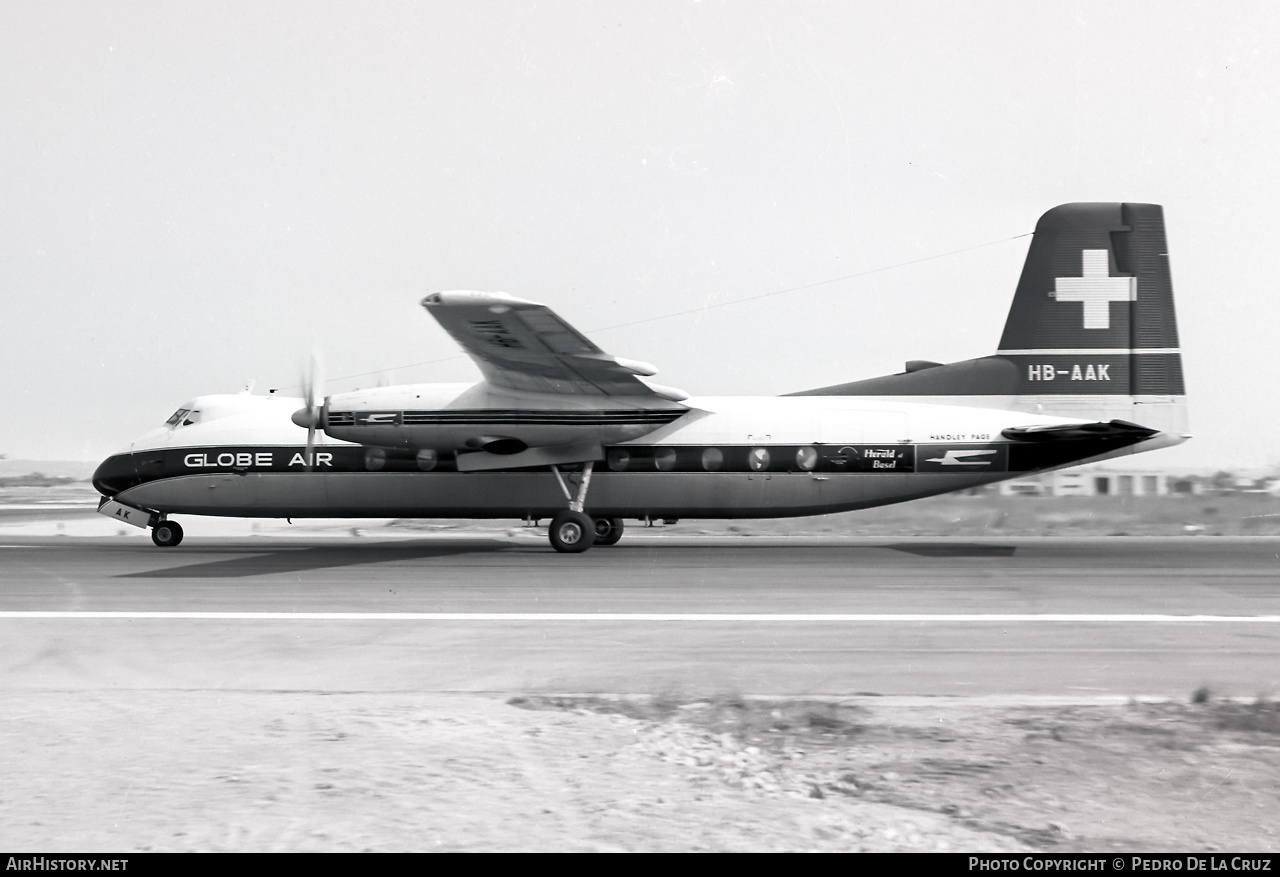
<point>455,417</point>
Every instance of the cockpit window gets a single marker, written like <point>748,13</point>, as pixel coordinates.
<point>182,417</point>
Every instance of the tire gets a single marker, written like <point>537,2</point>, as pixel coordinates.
<point>166,534</point>
<point>608,530</point>
<point>571,532</point>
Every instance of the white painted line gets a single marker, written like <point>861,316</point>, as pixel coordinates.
<point>648,616</point>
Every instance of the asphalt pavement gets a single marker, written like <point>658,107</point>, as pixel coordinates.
<point>1018,618</point>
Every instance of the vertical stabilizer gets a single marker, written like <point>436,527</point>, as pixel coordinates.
<point>1092,329</point>
<point>1093,313</point>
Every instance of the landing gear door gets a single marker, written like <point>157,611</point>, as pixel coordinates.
<point>125,514</point>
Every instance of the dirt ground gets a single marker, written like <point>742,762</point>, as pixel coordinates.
<point>164,770</point>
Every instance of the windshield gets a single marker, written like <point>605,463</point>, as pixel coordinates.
<point>182,417</point>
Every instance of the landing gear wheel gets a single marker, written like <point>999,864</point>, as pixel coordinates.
<point>608,530</point>
<point>166,534</point>
<point>571,532</point>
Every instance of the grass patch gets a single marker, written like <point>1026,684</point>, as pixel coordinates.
<point>750,719</point>
<point>656,709</point>
<point>1260,717</point>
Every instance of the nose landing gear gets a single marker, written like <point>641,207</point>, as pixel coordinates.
<point>166,534</point>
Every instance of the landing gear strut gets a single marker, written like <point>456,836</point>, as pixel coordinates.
<point>166,534</point>
<point>573,531</point>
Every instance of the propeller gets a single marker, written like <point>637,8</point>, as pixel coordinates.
<point>312,416</point>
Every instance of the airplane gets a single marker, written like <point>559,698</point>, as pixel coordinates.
<point>1088,368</point>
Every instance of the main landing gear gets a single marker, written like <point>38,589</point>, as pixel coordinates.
<point>166,534</point>
<point>608,530</point>
<point>573,531</point>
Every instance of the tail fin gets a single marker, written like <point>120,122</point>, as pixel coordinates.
<point>1093,314</point>
<point>1091,333</point>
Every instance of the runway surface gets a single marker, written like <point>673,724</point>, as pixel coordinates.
<point>1073,618</point>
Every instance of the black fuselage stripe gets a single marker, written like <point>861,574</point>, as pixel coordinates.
<point>1000,459</point>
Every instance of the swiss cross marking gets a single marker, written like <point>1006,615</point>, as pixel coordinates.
<point>1096,289</point>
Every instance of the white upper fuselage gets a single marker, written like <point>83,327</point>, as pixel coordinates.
<point>239,420</point>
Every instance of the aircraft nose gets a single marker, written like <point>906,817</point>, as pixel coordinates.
<point>116,473</point>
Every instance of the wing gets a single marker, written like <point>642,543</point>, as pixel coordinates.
<point>523,345</point>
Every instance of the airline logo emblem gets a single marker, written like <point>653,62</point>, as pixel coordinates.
<point>962,458</point>
<point>1096,289</point>
<point>976,459</point>
<point>378,418</point>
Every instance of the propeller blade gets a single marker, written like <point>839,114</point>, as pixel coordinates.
<point>312,416</point>
<point>311,448</point>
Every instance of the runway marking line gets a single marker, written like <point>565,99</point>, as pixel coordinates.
<point>645,616</point>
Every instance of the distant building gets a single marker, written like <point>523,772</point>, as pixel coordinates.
<point>1187,485</point>
<point>1094,481</point>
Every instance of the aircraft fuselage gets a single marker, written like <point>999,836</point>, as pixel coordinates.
<point>725,457</point>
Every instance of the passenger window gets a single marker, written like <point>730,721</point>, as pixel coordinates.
<point>712,459</point>
<point>758,459</point>
<point>806,459</point>
<point>618,459</point>
<point>665,459</point>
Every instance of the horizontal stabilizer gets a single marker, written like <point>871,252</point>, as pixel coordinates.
<point>1067,432</point>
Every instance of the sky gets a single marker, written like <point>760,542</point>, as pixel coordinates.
<point>198,195</point>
